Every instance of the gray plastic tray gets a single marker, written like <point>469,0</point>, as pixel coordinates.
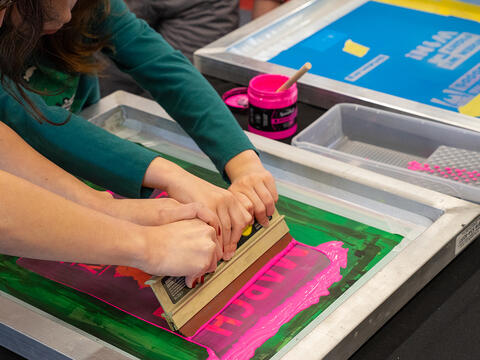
<point>392,144</point>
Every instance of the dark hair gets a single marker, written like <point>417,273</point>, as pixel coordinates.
<point>72,49</point>
<point>5,4</point>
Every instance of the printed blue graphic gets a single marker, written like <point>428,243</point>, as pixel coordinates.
<point>415,55</point>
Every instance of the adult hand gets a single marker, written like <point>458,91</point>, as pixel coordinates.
<point>151,212</point>
<point>253,186</point>
<point>154,212</point>
<point>183,248</point>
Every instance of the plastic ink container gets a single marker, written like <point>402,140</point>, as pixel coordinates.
<point>272,114</point>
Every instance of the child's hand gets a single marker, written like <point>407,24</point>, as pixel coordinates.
<point>232,216</point>
<point>186,188</point>
<point>252,185</point>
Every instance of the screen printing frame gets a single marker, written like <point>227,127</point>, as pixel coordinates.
<point>434,226</point>
<point>218,60</point>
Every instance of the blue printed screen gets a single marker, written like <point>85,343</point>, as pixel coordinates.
<point>428,58</point>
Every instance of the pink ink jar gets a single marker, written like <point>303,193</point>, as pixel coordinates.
<point>272,114</point>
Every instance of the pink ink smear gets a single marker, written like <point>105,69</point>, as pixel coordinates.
<point>269,323</point>
<point>262,271</point>
<point>309,294</point>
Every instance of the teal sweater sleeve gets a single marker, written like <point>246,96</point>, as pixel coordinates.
<point>92,153</point>
<point>176,85</point>
<point>80,147</point>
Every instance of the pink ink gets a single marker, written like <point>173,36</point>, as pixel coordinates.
<point>249,309</point>
<point>275,260</point>
<point>106,268</point>
<point>161,195</point>
<point>156,194</point>
<point>158,312</point>
<point>456,173</point>
<point>92,268</point>
<point>306,283</point>
<point>297,252</point>
<point>265,324</point>
<point>211,353</point>
<point>257,292</point>
<point>309,295</point>
<point>273,276</point>
<point>216,325</point>
<point>286,263</point>
<point>415,165</point>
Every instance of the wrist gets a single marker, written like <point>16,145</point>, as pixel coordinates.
<point>162,174</point>
<point>242,163</point>
<point>100,201</point>
<point>134,249</point>
<point>147,252</point>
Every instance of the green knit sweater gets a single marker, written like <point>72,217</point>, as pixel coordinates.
<point>104,159</point>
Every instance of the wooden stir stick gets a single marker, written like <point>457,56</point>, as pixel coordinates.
<point>307,66</point>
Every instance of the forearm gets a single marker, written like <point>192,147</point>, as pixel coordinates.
<point>80,147</point>
<point>163,173</point>
<point>177,182</point>
<point>20,159</point>
<point>181,90</point>
<point>39,224</point>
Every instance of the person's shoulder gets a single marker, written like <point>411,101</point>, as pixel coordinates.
<point>117,7</point>
<point>117,12</point>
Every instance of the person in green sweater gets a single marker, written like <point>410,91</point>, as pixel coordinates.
<point>48,214</point>
<point>48,74</point>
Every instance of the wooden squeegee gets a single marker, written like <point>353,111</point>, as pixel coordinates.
<point>186,310</point>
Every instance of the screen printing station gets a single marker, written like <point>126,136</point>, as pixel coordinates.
<point>391,235</point>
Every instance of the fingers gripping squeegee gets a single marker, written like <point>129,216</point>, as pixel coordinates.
<point>186,310</point>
